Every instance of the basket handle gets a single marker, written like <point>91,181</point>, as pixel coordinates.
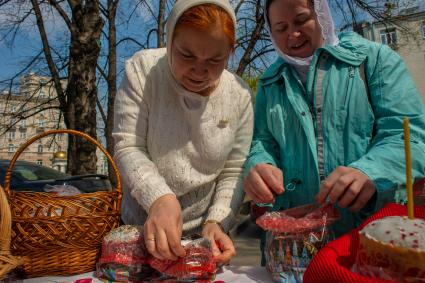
<point>8,176</point>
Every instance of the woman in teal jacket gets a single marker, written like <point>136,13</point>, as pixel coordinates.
<point>328,117</point>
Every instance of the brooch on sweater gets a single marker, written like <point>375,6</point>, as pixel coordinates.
<point>223,123</point>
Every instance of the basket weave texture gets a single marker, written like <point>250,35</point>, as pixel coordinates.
<point>7,261</point>
<point>61,235</point>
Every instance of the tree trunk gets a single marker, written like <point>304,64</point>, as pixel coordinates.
<point>112,80</point>
<point>255,36</point>
<point>161,24</point>
<point>86,27</point>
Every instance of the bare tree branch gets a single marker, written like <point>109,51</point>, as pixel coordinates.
<point>47,52</point>
<point>61,12</point>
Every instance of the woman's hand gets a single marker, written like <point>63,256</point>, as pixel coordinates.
<point>163,229</point>
<point>263,182</point>
<point>222,246</point>
<point>347,186</point>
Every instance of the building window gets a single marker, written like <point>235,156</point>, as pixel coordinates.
<point>40,148</point>
<point>11,148</point>
<point>388,36</point>
<point>13,121</point>
<point>13,109</point>
<point>11,135</point>
<point>39,162</point>
<point>41,122</point>
<point>23,135</point>
<point>23,123</point>
<point>42,94</point>
<point>423,29</point>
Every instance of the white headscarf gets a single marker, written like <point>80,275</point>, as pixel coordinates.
<point>188,99</point>
<point>325,20</point>
<point>182,6</point>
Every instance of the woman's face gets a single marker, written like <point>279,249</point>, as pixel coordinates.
<point>198,58</point>
<point>294,27</point>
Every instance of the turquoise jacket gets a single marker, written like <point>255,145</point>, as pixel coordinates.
<point>359,130</point>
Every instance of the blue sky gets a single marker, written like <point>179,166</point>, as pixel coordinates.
<point>16,54</point>
<point>14,57</point>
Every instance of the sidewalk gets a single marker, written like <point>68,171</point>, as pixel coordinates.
<point>246,237</point>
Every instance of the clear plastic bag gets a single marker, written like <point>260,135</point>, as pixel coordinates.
<point>124,256</point>
<point>294,237</point>
<point>125,259</point>
<point>62,190</point>
<point>197,266</point>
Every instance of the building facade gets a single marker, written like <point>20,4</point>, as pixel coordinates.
<point>407,37</point>
<point>32,110</point>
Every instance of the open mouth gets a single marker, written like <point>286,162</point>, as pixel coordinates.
<point>299,45</point>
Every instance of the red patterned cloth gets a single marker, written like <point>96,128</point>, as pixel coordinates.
<point>334,261</point>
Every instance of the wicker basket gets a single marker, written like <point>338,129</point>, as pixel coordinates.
<point>61,235</point>
<point>7,261</point>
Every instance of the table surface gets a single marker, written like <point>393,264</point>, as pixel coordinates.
<point>230,274</point>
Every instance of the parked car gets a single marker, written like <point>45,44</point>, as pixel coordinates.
<point>28,176</point>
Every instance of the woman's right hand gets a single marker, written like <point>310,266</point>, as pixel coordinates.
<point>263,182</point>
<point>163,228</point>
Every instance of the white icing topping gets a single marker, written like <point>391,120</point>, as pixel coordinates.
<point>397,231</point>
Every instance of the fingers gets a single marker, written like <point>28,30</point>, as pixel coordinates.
<point>273,177</point>
<point>258,195</point>
<point>351,193</point>
<point>262,182</point>
<point>327,185</point>
<point>347,186</point>
<point>214,248</point>
<point>162,247</point>
<point>221,244</point>
<point>227,250</point>
<point>258,188</point>
<point>163,244</point>
<point>174,242</point>
<point>364,196</point>
<point>340,188</point>
<point>150,240</point>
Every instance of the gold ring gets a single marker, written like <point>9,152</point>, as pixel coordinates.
<point>151,239</point>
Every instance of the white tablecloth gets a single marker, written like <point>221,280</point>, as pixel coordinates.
<point>230,274</point>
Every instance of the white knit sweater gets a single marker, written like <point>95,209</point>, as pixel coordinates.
<point>171,141</point>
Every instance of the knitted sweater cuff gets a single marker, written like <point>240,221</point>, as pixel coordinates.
<point>147,197</point>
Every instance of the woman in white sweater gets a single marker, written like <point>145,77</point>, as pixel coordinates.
<point>182,130</point>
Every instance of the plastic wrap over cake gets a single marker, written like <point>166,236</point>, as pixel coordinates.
<point>125,259</point>
<point>293,238</point>
<point>124,256</point>
<point>196,266</point>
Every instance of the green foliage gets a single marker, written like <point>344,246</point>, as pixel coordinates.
<point>252,83</point>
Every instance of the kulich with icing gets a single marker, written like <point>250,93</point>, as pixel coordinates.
<point>394,245</point>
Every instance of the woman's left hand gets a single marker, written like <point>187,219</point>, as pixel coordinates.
<point>222,246</point>
<point>347,186</point>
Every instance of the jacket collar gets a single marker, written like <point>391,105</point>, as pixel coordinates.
<point>352,49</point>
